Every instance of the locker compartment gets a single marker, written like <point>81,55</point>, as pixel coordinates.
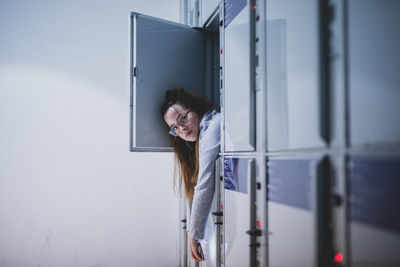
<point>374,71</point>
<point>293,93</point>
<point>212,73</point>
<point>374,204</point>
<point>277,125</point>
<point>237,176</point>
<point>238,97</point>
<point>178,56</point>
<point>298,212</point>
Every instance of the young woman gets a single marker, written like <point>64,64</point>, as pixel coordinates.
<point>195,128</point>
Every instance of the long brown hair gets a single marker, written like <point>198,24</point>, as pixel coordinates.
<point>186,152</point>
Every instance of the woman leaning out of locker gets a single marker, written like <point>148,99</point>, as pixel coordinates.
<point>195,128</point>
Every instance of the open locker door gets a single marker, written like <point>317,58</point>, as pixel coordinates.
<point>164,55</point>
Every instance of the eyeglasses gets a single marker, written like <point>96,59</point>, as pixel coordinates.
<point>181,122</point>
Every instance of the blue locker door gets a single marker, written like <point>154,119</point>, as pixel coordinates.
<point>374,203</point>
<point>237,173</point>
<point>291,213</point>
<point>164,55</point>
<point>374,71</point>
<point>293,92</point>
<point>238,103</point>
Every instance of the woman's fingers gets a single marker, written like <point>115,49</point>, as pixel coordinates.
<point>194,246</point>
<point>193,249</point>
<point>191,252</point>
<point>196,254</point>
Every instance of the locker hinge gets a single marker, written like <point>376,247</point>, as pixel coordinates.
<point>217,213</point>
<point>134,72</point>
<point>255,245</point>
<point>255,232</point>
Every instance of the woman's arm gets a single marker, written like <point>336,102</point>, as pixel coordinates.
<point>209,147</point>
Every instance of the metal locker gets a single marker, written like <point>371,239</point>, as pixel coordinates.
<point>174,54</point>
<point>374,204</point>
<point>374,71</point>
<point>239,114</point>
<point>298,212</point>
<point>238,174</point>
<point>293,80</point>
<point>277,99</point>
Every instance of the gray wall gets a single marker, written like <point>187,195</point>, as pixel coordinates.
<point>71,193</point>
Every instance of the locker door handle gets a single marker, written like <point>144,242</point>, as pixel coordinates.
<point>255,232</point>
<point>218,213</point>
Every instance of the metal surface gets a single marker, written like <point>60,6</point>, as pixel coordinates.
<point>219,213</point>
<point>374,71</point>
<point>293,80</point>
<point>160,49</point>
<point>212,60</point>
<point>325,17</point>
<point>374,190</point>
<point>292,221</point>
<point>207,9</point>
<point>237,215</point>
<point>238,92</point>
<point>338,97</point>
<point>232,9</point>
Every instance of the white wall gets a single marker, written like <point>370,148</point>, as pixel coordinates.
<point>71,193</point>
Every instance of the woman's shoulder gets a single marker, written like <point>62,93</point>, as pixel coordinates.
<point>210,123</point>
<point>212,117</point>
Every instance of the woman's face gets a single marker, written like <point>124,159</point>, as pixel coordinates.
<point>184,121</point>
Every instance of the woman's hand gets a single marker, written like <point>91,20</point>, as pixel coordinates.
<point>194,246</point>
